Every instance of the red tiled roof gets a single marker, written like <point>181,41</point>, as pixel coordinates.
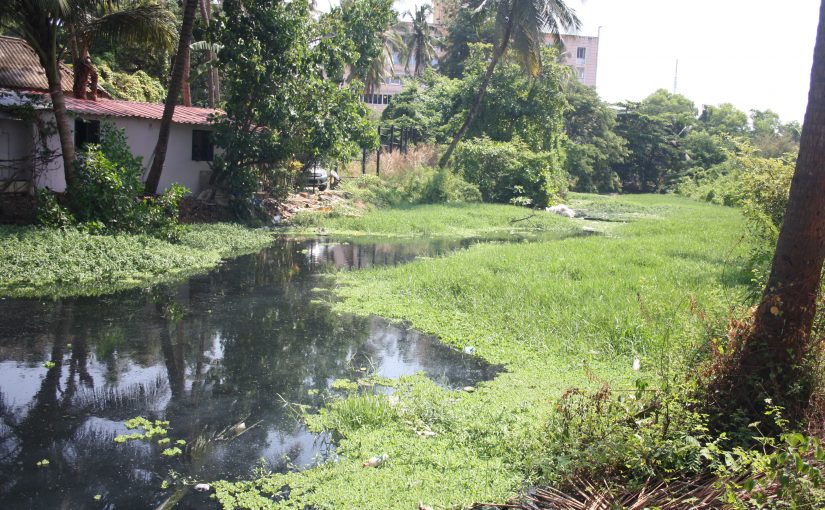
<point>20,68</point>
<point>114,108</point>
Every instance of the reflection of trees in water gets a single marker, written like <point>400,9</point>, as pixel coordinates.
<point>229,344</point>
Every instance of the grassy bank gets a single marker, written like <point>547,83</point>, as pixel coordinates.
<point>40,262</point>
<point>556,314</point>
<point>452,220</point>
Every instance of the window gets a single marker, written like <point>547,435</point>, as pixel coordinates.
<point>86,132</point>
<point>580,73</point>
<point>203,148</point>
<point>580,53</point>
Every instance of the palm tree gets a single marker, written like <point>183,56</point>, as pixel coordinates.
<point>421,42</point>
<point>41,23</point>
<point>383,65</point>
<point>212,79</point>
<point>175,86</point>
<point>520,22</point>
<point>123,22</point>
<point>38,23</point>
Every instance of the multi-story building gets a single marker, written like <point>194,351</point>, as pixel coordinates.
<point>580,52</point>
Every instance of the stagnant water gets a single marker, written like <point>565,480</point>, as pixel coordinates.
<point>219,349</point>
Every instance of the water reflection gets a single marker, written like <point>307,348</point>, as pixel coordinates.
<point>217,350</point>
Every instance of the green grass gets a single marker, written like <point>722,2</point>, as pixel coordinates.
<point>561,313</point>
<point>40,262</point>
<point>454,220</point>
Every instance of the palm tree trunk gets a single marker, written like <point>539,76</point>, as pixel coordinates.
<point>491,67</point>
<point>46,50</point>
<point>780,340</point>
<point>212,75</point>
<point>175,85</point>
<point>187,90</point>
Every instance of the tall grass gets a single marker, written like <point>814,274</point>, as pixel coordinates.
<point>569,312</point>
<point>396,164</point>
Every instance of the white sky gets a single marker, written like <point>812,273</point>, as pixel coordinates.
<point>756,54</point>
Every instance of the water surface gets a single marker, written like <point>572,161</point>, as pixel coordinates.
<point>232,346</point>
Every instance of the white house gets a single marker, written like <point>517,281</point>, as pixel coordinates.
<point>22,81</point>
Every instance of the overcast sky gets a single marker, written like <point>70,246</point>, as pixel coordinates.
<point>756,54</point>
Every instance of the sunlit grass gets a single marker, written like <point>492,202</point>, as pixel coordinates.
<point>455,220</point>
<point>570,312</point>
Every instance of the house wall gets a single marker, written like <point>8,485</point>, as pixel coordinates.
<point>16,148</point>
<point>142,136</point>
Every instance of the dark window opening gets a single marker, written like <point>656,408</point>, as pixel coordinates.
<point>203,148</point>
<point>86,132</point>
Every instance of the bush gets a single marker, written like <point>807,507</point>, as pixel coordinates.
<point>509,172</point>
<point>760,186</point>
<point>106,195</point>
<point>423,185</point>
<point>647,434</point>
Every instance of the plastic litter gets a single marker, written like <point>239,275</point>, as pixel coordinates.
<point>203,487</point>
<point>469,349</point>
<point>376,461</point>
<point>562,210</point>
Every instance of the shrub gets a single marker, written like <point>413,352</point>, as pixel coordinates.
<point>106,194</point>
<point>509,172</point>
<point>633,437</point>
<point>423,185</point>
<point>50,213</point>
<point>439,187</point>
<point>758,185</point>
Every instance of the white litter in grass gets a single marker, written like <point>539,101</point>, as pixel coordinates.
<point>562,210</point>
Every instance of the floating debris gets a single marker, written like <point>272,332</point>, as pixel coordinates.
<point>376,461</point>
<point>203,487</point>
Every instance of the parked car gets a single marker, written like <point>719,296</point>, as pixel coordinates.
<point>315,177</point>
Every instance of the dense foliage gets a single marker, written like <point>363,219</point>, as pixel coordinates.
<point>281,111</point>
<point>106,194</point>
<point>592,146</point>
<point>514,149</point>
<point>509,172</point>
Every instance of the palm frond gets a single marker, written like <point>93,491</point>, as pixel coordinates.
<point>149,24</point>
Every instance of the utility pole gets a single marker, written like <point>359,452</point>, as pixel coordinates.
<point>676,76</point>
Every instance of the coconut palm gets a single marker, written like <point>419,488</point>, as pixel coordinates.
<point>41,23</point>
<point>383,65</point>
<point>175,86</point>
<point>520,22</point>
<point>421,42</point>
<point>129,21</point>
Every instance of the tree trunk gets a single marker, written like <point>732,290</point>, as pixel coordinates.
<point>779,344</point>
<point>175,83</point>
<point>212,75</point>
<point>491,67</point>
<point>47,53</point>
<point>187,90</point>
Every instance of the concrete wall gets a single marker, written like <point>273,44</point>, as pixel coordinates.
<point>16,148</point>
<point>142,135</point>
